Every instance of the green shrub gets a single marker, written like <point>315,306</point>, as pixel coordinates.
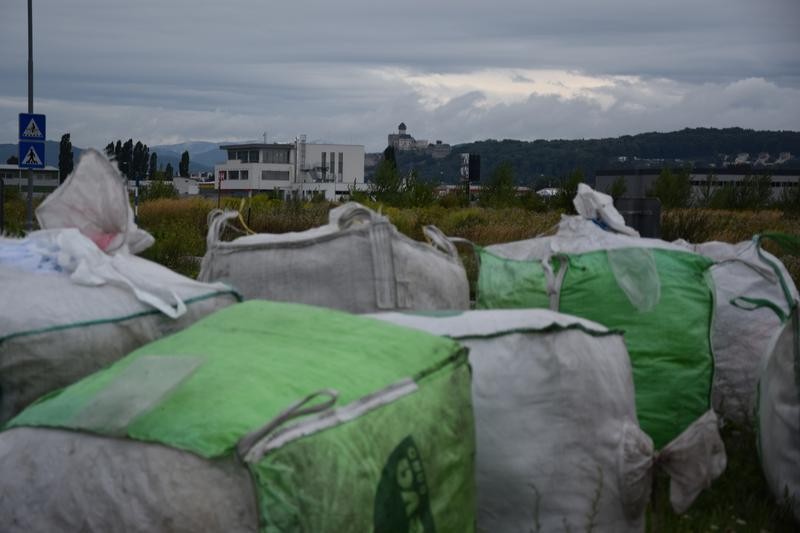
<point>674,189</point>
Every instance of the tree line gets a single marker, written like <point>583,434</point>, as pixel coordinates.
<point>537,163</point>
<point>136,160</point>
<point>673,187</point>
<point>133,160</point>
<point>394,187</point>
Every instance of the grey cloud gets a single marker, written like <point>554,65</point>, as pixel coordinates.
<point>181,69</point>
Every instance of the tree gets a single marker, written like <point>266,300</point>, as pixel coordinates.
<point>140,159</point>
<point>13,160</point>
<point>499,191</point>
<point>183,166</point>
<point>674,189</point>
<point>789,200</point>
<point>418,193</point>
<point>707,191</point>
<point>753,192</point>
<point>157,189</point>
<point>110,149</point>
<point>618,188</point>
<point>125,158</point>
<point>151,172</point>
<point>387,184</point>
<point>756,191</point>
<point>144,160</point>
<point>390,156</point>
<point>168,172</point>
<point>65,158</point>
<point>568,191</point>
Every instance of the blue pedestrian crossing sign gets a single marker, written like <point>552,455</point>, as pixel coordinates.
<point>32,135</point>
<point>31,154</point>
<point>32,127</point>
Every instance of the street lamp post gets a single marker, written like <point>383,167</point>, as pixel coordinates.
<point>29,218</point>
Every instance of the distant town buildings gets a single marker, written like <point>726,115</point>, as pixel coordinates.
<point>296,169</point>
<point>763,159</point>
<point>402,141</point>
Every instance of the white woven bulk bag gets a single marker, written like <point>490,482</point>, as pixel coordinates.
<point>94,200</point>
<point>251,420</point>
<point>558,443</point>
<point>779,415</point>
<point>75,299</point>
<point>70,309</point>
<point>358,262</point>
<point>754,295</point>
<point>85,477</point>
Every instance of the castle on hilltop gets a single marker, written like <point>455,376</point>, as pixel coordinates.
<point>402,141</point>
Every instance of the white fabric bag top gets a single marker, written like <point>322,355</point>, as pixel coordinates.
<point>594,205</point>
<point>358,262</point>
<point>94,200</point>
<point>754,296</point>
<point>558,442</point>
<point>70,253</point>
<point>69,309</point>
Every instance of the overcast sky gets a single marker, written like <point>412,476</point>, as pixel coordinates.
<point>349,71</point>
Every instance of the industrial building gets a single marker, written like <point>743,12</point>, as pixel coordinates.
<point>45,180</point>
<point>297,169</point>
<point>639,181</point>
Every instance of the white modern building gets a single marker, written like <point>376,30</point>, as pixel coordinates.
<point>298,169</point>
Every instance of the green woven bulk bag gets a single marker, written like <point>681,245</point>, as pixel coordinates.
<point>262,417</point>
<point>660,295</point>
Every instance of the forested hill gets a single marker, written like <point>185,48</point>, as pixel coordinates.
<point>536,161</point>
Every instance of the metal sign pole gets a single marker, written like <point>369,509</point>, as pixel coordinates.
<point>29,219</point>
<point>136,200</point>
<point>135,187</point>
<point>2,205</point>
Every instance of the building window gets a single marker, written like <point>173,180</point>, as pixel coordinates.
<point>324,164</point>
<point>233,174</point>
<point>243,174</point>
<point>333,166</point>
<point>279,156</point>
<point>243,156</point>
<point>341,164</point>
<point>275,175</point>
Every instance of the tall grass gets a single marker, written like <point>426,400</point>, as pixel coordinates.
<point>179,227</point>
<point>701,225</point>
